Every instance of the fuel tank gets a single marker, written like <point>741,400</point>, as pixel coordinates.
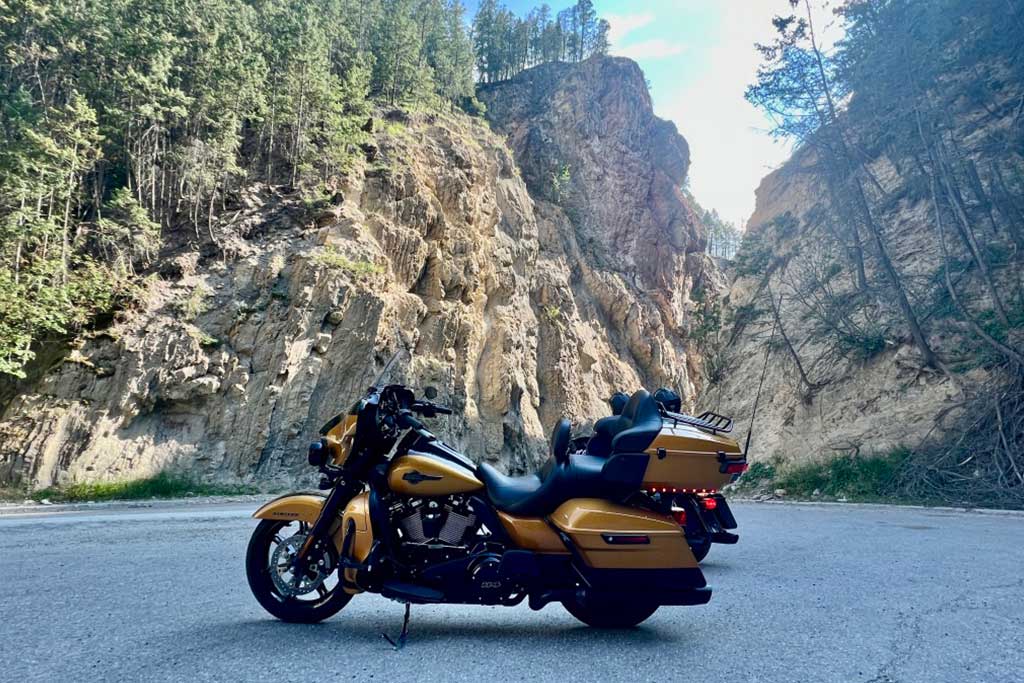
<point>684,457</point>
<point>421,474</point>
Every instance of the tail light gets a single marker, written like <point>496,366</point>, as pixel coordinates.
<point>709,503</point>
<point>679,514</point>
<point>737,464</point>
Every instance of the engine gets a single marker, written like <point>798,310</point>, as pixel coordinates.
<point>433,530</point>
<point>443,545</point>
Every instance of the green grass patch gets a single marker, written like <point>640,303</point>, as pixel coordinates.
<point>396,128</point>
<point>162,485</point>
<point>849,476</point>
<point>759,475</point>
<point>195,303</point>
<point>330,257</point>
<point>202,338</point>
<point>862,478</point>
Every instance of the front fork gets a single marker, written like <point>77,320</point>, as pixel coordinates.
<point>320,533</point>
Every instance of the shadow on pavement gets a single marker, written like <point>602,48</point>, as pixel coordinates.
<point>298,639</point>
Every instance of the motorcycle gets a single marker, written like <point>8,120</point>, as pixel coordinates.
<point>405,515</point>
<point>703,514</point>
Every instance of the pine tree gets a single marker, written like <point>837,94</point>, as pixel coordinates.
<point>601,43</point>
<point>586,19</point>
<point>486,40</point>
<point>797,85</point>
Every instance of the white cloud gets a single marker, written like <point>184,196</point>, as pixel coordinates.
<point>656,48</point>
<point>623,24</point>
<point>730,150</point>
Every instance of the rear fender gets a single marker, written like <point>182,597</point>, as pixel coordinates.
<point>724,513</point>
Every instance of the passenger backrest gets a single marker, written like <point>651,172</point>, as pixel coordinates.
<point>605,430</point>
<point>643,420</point>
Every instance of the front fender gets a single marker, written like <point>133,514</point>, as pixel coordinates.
<point>303,507</point>
<point>300,507</point>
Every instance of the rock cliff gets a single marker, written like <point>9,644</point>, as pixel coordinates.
<point>621,250</point>
<point>526,280</point>
<point>850,403</point>
<point>847,378</point>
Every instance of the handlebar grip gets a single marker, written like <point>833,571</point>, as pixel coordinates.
<point>442,410</point>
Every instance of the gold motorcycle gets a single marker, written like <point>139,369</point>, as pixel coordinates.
<point>401,513</point>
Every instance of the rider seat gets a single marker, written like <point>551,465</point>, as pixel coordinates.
<point>579,475</point>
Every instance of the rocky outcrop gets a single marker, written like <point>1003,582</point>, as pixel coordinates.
<point>520,303</point>
<point>623,248</point>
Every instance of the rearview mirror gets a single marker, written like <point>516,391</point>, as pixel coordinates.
<point>430,392</point>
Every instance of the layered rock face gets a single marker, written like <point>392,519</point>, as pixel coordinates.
<point>621,249</point>
<point>518,303</point>
<point>856,405</point>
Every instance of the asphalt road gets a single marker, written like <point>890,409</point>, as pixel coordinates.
<point>809,594</point>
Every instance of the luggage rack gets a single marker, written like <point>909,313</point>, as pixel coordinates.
<point>712,422</point>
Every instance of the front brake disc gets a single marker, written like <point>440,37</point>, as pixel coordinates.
<point>288,582</point>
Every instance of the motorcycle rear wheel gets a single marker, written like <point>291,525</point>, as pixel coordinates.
<point>315,606</point>
<point>610,613</point>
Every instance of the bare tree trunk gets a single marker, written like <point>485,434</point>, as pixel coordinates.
<point>965,229</point>
<point>810,386</point>
<point>864,208</point>
<point>980,194</point>
<point>64,235</point>
<point>856,248</point>
<point>1007,206</point>
<point>901,296</point>
<point>1009,353</point>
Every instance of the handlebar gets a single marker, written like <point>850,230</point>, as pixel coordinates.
<point>406,420</point>
<point>429,409</point>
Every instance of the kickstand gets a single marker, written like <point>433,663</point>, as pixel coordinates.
<point>400,643</point>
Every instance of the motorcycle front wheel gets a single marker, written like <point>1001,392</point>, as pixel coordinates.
<point>609,613</point>
<point>306,599</point>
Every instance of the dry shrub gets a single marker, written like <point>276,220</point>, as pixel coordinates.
<point>983,462</point>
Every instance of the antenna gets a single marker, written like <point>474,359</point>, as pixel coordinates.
<point>387,366</point>
<point>394,356</point>
<point>757,399</point>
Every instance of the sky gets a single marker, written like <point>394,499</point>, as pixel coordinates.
<point>699,56</point>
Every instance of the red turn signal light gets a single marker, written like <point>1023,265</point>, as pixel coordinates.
<point>736,468</point>
<point>709,503</point>
<point>679,514</point>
